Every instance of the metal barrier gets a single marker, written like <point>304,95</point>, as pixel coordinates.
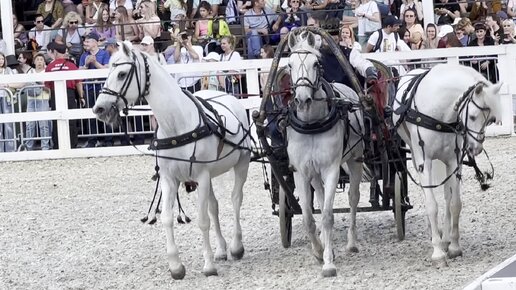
<point>505,55</point>
<point>34,98</point>
<point>8,130</point>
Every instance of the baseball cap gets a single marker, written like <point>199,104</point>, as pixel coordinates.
<point>111,41</point>
<point>61,48</point>
<point>212,56</point>
<point>444,29</point>
<point>92,35</point>
<point>391,20</point>
<point>147,40</point>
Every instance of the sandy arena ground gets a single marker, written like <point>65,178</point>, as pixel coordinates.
<point>75,224</point>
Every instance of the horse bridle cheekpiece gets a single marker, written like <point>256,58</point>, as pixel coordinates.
<point>123,91</point>
<point>305,81</point>
<point>463,104</point>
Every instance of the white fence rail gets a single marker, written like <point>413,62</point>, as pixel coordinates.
<point>506,56</point>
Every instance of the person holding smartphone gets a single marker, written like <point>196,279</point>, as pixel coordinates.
<point>185,53</point>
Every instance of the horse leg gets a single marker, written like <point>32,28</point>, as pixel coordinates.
<point>169,188</point>
<point>425,172</point>
<point>303,190</point>
<point>317,184</point>
<point>454,250</point>
<point>240,170</point>
<point>355,176</point>
<point>213,207</point>
<point>332,177</point>
<point>203,190</point>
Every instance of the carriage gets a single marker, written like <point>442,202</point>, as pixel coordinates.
<point>385,155</point>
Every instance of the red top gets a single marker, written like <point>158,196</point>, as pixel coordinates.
<point>62,64</point>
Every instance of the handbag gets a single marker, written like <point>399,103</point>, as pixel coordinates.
<point>50,17</point>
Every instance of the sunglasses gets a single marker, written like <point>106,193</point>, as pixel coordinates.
<point>144,44</point>
<point>73,22</point>
<point>294,1</point>
<point>39,21</point>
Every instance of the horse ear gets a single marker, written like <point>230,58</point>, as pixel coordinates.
<point>126,49</point>
<point>292,39</point>
<point>479,88</point>
<point>311,39</point>
<point>496,88</point>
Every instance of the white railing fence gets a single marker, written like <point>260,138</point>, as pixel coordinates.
<point>506,57</point>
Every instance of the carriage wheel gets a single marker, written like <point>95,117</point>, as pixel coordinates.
<point>399,212</point>
<point>285,219</point>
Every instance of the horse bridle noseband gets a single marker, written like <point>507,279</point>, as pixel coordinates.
<point>463,104</point>
<point>125,87</point>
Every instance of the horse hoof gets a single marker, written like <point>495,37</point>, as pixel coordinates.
<point>329,271</point>
<point>210,272</point>
<point>454,253</point>
<point>223,257</point>
<point>440,263</point>
<point>238,254</point>
<point>352,249</point>
<point>178,274</point>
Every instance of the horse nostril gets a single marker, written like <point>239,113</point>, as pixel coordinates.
<point>309,101</point>
<point>296,100</point>
<point>98,110</point>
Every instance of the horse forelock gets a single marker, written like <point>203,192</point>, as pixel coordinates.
<point>303,46</point>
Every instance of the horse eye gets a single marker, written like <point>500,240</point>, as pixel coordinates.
<point>122,75</point>
<point>472,118</point>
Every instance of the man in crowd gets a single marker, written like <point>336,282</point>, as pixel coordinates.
<point>94,58</point>
<point>74,92</point>
<point>39,33</point>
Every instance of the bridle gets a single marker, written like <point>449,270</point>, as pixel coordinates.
<point>304,81</point>
<point>462,106</point>
<point>125,86</point>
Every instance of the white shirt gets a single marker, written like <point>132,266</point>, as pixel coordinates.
<point>42,37</point>
<point>364,24</point>
<point>189,79</point>
<point>389,43</point>
<point>128,5</point>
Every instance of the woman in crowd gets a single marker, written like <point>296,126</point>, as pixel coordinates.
<point>53,13</point>
<point>201,25</point>
<point>485,66</point>
<point>415,29</point>
<point>71,35</point>
<point>431,41</point>
<point>413,5</point>
<point>126,28</point>
<point>104,27</point>
<point>150,23</point>
<point>508,32</point>
<point>7,142</point>
<point>267,51</point>
<point>369,20</point>
<point>38,101</point>
<point>20,35</point>
<point>92,11</point>
<point>347,38</point>
<point>295,17</point>
<point>231,82</point>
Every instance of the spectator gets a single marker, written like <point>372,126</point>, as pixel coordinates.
<point>201,25</point>
<point>368,20</point>
<point>386,39</point>
<point>24,63</point>
<point>511,9</point>
<point>508,32</point>
<point>478,11</point>
<point>111,46</point>
<point>267,51</point>
<point>70,5</point>
<point>495,28</point>
<point>147,45</point>
<point>296,17</point>
<point>71,35</point>
<point>92,11</point>
<point>94,58</point>
<point>211,81</point>
<point>104,28</point>
<point>415,29</point>
<point>485,67</point>
<point>74,92</point>
<point>185,53</point>
<point>149,24</point>
<point>259,23</point>
<point>431,41</point>
<point>53,13</point>
<point>38,101</point>
<point>347,38</point>
<point>40,32</point>
<point>128,4</point>
<point>412,5</point>
<point>20,36</point>
<point>231,81</point>
<point>126,28</point>
<point>244,6</point>
<point>447,12</point>
<point>464,31</point>
<point>177,11</point>
<point>7,141</point>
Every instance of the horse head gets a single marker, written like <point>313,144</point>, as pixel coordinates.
<point>127,82</point>
<point>483,108</point>
<point>305,67</point>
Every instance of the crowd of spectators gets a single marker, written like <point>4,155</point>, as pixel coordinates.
<point>85,33</point>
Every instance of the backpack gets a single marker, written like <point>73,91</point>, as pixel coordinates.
<point>380,38</point>
<point>218,28</point>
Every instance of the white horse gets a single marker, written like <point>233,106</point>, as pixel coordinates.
<point>134,75</point>
<point>457,103</point>
<point>317,157</point>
